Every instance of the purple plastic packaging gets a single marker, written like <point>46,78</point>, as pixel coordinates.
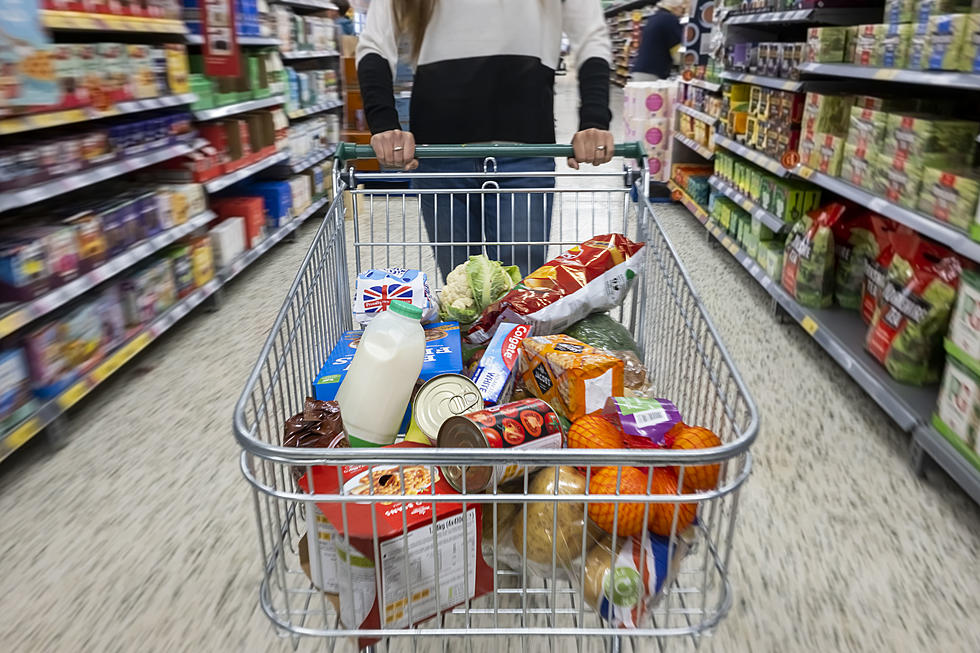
<point>645,422</point>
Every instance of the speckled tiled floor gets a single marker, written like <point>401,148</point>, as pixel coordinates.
<point>139,534</point>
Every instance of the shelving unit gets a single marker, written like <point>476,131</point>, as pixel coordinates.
<point>32,121</point>
<point>245,41</point>
<point>765,217</point>
<point>13,199</point>
<point>694,113</point>
<point>918,77</point>
<point>91,22</point>
<point>758,158</point>
<point>701,150</point>
<point>319,108</point>
<point>711,87</point>
<point>760,80</point>
<point>309,54</point>
<point>811,16</point>
<point>226,180</point>
<point>312,159</point>
<point>238,107</point>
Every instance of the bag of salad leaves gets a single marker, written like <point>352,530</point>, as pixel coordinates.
<point>887,233</point>
<point>907,329</point>
<point>854,243</point>
<point>808,268</point>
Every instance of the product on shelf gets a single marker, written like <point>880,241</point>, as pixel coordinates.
<point>648,112</point>
<point>958,410</point>
<point>148,291</point>
<point>228,239</point>
<point>827,44</point>
<point>947,37</point>
<point>855,243</point>
<point>252,209</point>
<point>248,17</point>
<point>15,383</point>
<point>808,268</point>
<point>202,260</point>
<point>950,195</point>
<point>964,328</point>
<point>898,179</point>
<point>970,57</point>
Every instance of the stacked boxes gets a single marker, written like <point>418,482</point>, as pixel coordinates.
<point>648,110</point>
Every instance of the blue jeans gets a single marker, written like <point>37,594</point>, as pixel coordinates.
<point>507,217</point>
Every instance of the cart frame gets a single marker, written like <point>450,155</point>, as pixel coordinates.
<point>686,362</point>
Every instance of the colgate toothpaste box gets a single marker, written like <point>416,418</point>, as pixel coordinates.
<point>495,374</point>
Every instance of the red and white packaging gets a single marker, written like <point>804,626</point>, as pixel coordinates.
<point>463,574</point>
<point>495,374</point>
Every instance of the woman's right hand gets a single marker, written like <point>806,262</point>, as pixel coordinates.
<point>395,149</point>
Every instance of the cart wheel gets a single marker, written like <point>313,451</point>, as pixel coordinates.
<point>917,458</point>
<point>57,433</point>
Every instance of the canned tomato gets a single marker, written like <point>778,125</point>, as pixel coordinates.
<point>526,424</point>
<point>440,398</point>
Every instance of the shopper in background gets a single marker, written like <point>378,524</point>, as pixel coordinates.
<point>339,15</point>
<point>660,43</point>
<point>485,73</point>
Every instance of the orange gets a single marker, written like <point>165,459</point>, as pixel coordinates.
<point>594,432</point>
<point>662,514</point>
<point>696,477</point>
<point>630,515</point>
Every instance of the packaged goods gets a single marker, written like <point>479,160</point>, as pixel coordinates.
<point>856,169</point>
<point>572,376</point>
<point>958,409</point>
<point>148,292</point>
<point>601,330</point>
<point>643,422</point>
<point>898,179</point>
<point>886,234</point>
<point>180,257</point>
<point>970,55</point>
<point>827,155</point>
<point>424,532</point>
<point>64,349</point>
<point>950,195</point>
<point>808,268</point>
<point>867,128</point>
<point>443,355</point>
<point>375,290</point>
<point>24,271</point>
<point>964,328</point>
<point>525,424</point>
<point>390,356</point>
<point>474,285</point>
<point>826,44</point>
<point>867,46</point>
<point>228,240</point>
<point>771,258</point>
<point>947,38</point>
<point>695,477</point>
<point>930,141</point>
<point>15,382</point>
<point>926,9</point>
<point>907,329</point>
<point>593,277</point>
<point>318,425</point>
<point>854,245</point>
<point>552,528</point>
<point>497,371</point>
<point>894,47</point>
<point>202,260</point>
<point>826,114</point>
<point>900,11</point>
<point>437,400</point>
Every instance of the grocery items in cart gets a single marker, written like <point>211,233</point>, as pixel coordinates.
<point>496,371</point>
<point>389,355</point>
<point>376,290</point>
<point>474,285</point>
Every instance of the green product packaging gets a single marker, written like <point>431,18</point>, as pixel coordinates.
<point>933,142</point>
<point>827,154</point>
<point>918,58</point>
<point>964,326</point>
<point>898,180</point>
<point>867,49</point>
<point>750,242</point>
<point>766,193</point>
<point>761,231</point>
<point>791,200</point>
<point>867,128</point>
<point>755,184</point>
<point>947,38</point>
<point>826,114</point>
<point>970,55</point>
<point>826,44</point>
<point>950,195</point>
<point>808,263</point>
<point>893,50</point>
<point>850,48</point>
<point>958,408</point>
<point>857,169</point>
<point>771,258</point>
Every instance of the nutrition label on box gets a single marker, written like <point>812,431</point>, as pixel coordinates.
<point>421,566</point>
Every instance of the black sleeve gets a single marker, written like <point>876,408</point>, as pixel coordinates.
<point>377,91</point>
<point>593,89</point>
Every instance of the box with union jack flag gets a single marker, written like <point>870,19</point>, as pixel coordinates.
<point>374,291</point>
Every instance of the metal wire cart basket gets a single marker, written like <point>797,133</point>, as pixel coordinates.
<point>403,570</point>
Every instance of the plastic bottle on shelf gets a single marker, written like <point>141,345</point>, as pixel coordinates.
<point>378,386</point>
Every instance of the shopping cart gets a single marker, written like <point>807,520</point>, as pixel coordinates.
<point>686,362</point>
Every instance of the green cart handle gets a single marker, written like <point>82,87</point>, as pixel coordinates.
<point>348,151</point>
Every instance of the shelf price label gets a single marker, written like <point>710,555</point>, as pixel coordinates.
<point>809,325</point>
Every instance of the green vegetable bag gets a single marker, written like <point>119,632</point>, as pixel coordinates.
<point>856,241</point>
<point>474,285</point>
<point>600,330</point>
<point>808,268</point>
<point>906,332</point>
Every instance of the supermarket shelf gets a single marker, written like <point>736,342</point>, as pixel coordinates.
<point>762,80</point>
<point>943,233</point>
<point>755,157</point>
<point>51,410</point>
<point>90,22</point>
<point>246,259</point>
<point>28,122</point>
<point>224,181</point>
<point>841,334</point>
<point>919,77</point>
<point>309,54</point>
<point>312,159</point>
<point>700,83</point>
<point>694,113</point>
<point>627,6</point>
<point>23,314</point>
<point>701,150</point>
<point>238,107</point>
<point>304,4</point>
<point>258,41</point>
<point>318,108</point>
<point>831,16</point>
<point>25,196</point>
<point>765,217</point>
<point>952,457</point>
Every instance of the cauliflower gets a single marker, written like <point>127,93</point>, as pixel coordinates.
<point>457,297</point>
<point>474,285</point>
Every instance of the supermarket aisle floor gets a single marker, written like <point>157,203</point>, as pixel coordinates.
<point>139,535</point>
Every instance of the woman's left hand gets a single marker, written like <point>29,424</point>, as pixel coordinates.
<point>593,146</point>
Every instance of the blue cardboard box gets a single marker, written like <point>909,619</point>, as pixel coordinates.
<point>443,355</point>
<point>277,197</point>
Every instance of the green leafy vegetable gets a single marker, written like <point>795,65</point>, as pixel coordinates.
<point>600,330</point>
<point>474,285</point>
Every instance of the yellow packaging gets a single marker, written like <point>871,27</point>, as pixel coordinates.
<point>573,377</point>
<point>202,260</point>
<point>178,71</point>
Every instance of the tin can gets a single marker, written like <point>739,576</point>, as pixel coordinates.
<point>526,424</point>
<point>440,398</point>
